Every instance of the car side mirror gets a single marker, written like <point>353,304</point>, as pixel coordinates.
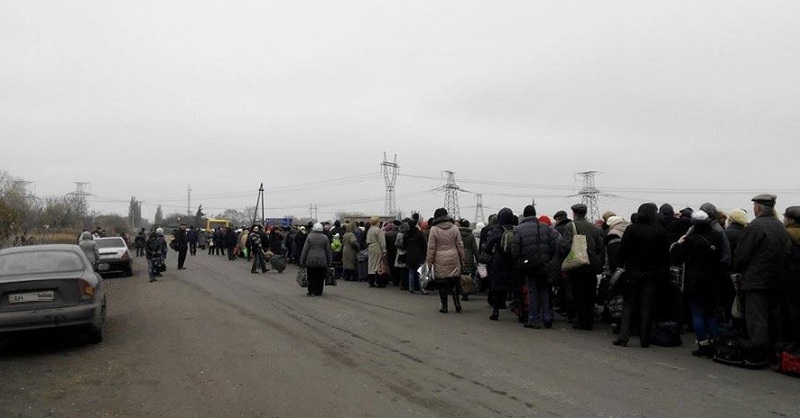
<point>102,267</point>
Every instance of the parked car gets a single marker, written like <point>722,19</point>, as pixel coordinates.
<point>51,286</point>
<point>114,251</point>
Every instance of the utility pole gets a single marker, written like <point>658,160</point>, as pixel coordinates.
<point>260,198</point>
<point>188,200</point>
<point>479,216</point>
<point>390,170</point>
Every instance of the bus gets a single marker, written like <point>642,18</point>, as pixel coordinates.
<point>215,223</point>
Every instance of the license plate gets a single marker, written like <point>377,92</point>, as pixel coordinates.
<point>46,296</point>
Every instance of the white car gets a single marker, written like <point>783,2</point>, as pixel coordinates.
<point>114,252</point>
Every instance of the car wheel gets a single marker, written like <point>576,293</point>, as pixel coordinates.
<point>95,331</point>
<point>95,335</point>
<point>128,271</point>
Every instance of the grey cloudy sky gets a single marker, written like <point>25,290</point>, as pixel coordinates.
<point>681,102</point>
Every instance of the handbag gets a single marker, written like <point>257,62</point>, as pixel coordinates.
<point>330,276</point>
<point>302,277</point>
<point>467,284</point>
<point>482,272</point>
<point>578,253</point>
<point>383,268</point>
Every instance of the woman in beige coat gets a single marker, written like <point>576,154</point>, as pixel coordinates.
<point>446,254</point>
<point>350,248</point>
<point>376,245</point>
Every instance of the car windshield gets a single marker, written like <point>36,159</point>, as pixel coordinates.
<point>110,243</point>
<point>40,262</point>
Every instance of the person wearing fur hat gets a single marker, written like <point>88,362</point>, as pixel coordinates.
<point>701,254</point>
<point>791,290</point>
<point>446,254</point>
<point>316,257</point>
<point>761,257</point>
<point>734,227</point>
<point>376,245</point>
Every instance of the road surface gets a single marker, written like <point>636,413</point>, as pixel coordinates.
<point>217,341</point>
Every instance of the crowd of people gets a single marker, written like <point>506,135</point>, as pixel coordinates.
<point>656,271</point>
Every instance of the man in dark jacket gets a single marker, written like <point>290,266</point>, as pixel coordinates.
<point>390,234</point>
<point>584,279</point>
<point>535,247</point>
<point>564,300</point>
<point>182,245</point>
<point>761,257</point>
<point>191,236</point>
<point>256,250</point>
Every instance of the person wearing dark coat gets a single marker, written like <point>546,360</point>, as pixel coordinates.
<point>390,235</point>
<point>564,299</point>
<point>701,254</point>
<point>535,248</point>
<point>791,283</point>
<point>182,245</point>
<point>645,255</point>
<point>500,268</point>
<point>470,251</point>
<point>139,242</point>
<point>584,279</point>
<point>276,245</point>
<point>761,257</point>
<point>299,243</point>
<point>191,236</point>
<point>230,240</point>
<point>416,249</point>
<point>316,257</point>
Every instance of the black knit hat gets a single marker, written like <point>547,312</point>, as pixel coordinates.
<point>529,211</point>
<point>440,213</point>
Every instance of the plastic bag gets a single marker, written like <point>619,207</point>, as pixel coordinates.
<point>426,275</point>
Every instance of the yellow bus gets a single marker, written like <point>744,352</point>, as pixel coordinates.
<point>215,223</point>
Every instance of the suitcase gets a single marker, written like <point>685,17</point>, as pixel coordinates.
<point>278,262</point>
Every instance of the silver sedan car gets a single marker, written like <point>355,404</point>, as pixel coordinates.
<point>51,286</point>
<point>114,252</point>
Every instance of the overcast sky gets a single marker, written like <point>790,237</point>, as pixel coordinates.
<point>680,102</point>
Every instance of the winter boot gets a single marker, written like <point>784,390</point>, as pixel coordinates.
<point>704,349</point>
<point>457,303</point>
<point>443,297</point>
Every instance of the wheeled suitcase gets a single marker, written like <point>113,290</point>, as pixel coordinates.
<point>278,262</point>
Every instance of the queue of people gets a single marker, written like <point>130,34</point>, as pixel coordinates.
<point>713,274</point>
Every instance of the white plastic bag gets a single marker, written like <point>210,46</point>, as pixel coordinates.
<point>426,275</point>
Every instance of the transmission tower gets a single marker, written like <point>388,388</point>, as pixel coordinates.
<point>479,216</point>
<point>79,197</point>
<point>390,170</point>
<point>451,190</point>
<point>589,193</point>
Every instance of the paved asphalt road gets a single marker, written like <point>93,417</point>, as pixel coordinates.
<point>217,341</point>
